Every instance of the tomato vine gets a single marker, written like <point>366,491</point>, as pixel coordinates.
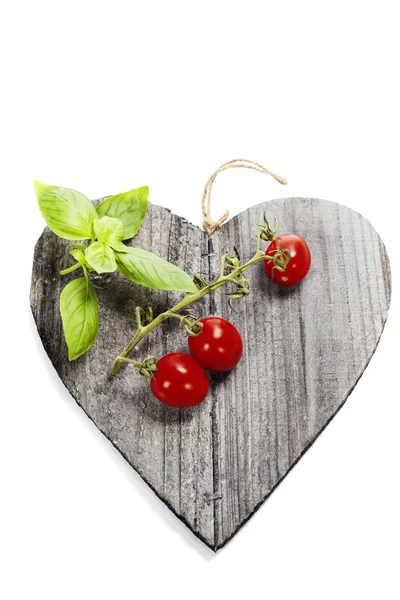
<point>231,272</point>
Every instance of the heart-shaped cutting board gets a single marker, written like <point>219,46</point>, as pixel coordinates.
<point>304,350</point>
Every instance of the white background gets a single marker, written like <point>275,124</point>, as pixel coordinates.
<point>106,96</point>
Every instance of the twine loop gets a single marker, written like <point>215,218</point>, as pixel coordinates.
<point>211,225</point>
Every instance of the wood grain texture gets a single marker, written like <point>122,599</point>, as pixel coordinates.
<point>304,351</point>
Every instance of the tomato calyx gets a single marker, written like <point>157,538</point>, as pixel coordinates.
<point>280,258</point>
<point>146,367</point>
<point>191,324</point>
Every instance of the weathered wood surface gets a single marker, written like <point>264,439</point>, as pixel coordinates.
<point>304,351</point>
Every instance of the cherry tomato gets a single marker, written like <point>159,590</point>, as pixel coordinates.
<point>179,381</point>
<point>218,347</point>
<point>298,265</point>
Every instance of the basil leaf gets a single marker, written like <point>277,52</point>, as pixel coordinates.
<point>68,213</point>
<point>108,230</point>
<point>120,247</point>
<point>148,269</point>
<point>79,257</point>
<point>129,207</point>
<point>101,258</point>
<point>80,318</point>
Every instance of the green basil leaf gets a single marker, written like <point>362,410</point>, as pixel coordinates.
<point>101,257</point>
<point>68,213</point>
<point>148,269</point>
<point>120,247</point>
<point>108,230</point>
<point>80,318</point>
<point>129,207</point>
<point>79,256</point>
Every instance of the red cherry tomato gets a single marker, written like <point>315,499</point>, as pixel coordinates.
<point>298,265</point>
<point>179,381</point>
<point>218,347</point>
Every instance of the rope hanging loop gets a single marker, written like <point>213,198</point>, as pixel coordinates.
<point>211,225</point>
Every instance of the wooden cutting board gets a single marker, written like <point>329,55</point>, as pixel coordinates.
<point>304,350</point>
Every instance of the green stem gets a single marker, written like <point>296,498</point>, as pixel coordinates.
<point>135,363</point>
<point>71,269</point>
<point>189,299</point>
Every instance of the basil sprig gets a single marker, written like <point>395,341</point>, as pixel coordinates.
<point>72,216</point>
